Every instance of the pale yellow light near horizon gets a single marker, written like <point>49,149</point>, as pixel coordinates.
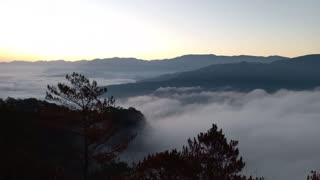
<point>84,32</point>
<point>82,29</point>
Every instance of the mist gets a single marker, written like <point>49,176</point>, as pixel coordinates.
<point>31,81</point>
<point>277,132</point>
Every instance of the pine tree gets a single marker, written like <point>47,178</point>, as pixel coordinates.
<point>83,95</point>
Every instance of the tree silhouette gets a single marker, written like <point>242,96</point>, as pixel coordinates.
<point>313,176</point>
<point>209,156</point>
<point>83,95</point>
<point>41,140</point>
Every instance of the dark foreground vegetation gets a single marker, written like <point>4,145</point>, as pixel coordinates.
<point>81,136</point>
<point>40,140</point>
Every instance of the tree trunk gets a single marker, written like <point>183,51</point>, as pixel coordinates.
<point>86,160</point>
<point>86,146</point>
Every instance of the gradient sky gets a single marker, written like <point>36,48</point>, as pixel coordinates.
<point>155,29</point>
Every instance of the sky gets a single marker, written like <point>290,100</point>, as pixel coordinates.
<point>155,29</point>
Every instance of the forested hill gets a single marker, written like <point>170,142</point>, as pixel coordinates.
<point>296,74</point>
<point>39,139</point>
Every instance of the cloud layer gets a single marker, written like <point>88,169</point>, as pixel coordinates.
<point>278,133</point>
<point>31,82</point>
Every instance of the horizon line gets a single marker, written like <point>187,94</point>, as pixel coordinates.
<point>119,57</point>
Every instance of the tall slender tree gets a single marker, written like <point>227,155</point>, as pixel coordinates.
<point>81,94</point>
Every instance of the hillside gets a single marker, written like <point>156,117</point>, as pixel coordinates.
<point>38,137</point>
<point>296,74</point>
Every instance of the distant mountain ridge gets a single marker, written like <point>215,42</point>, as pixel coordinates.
<point>296,73</point>
<point>131,68</point>
<point>136,69</point>
<point>127,59</point>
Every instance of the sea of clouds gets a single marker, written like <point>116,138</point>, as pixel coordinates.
<point>31,81</point>
<point>278,133</point>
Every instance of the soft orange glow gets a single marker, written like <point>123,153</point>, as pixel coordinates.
<point>81,29</point>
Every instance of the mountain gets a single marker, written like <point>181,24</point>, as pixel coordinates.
<point>297,74</point>
<point>132,68</point>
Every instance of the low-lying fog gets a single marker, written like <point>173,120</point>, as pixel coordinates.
<point>278,133</point>
<point>26,82</point>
